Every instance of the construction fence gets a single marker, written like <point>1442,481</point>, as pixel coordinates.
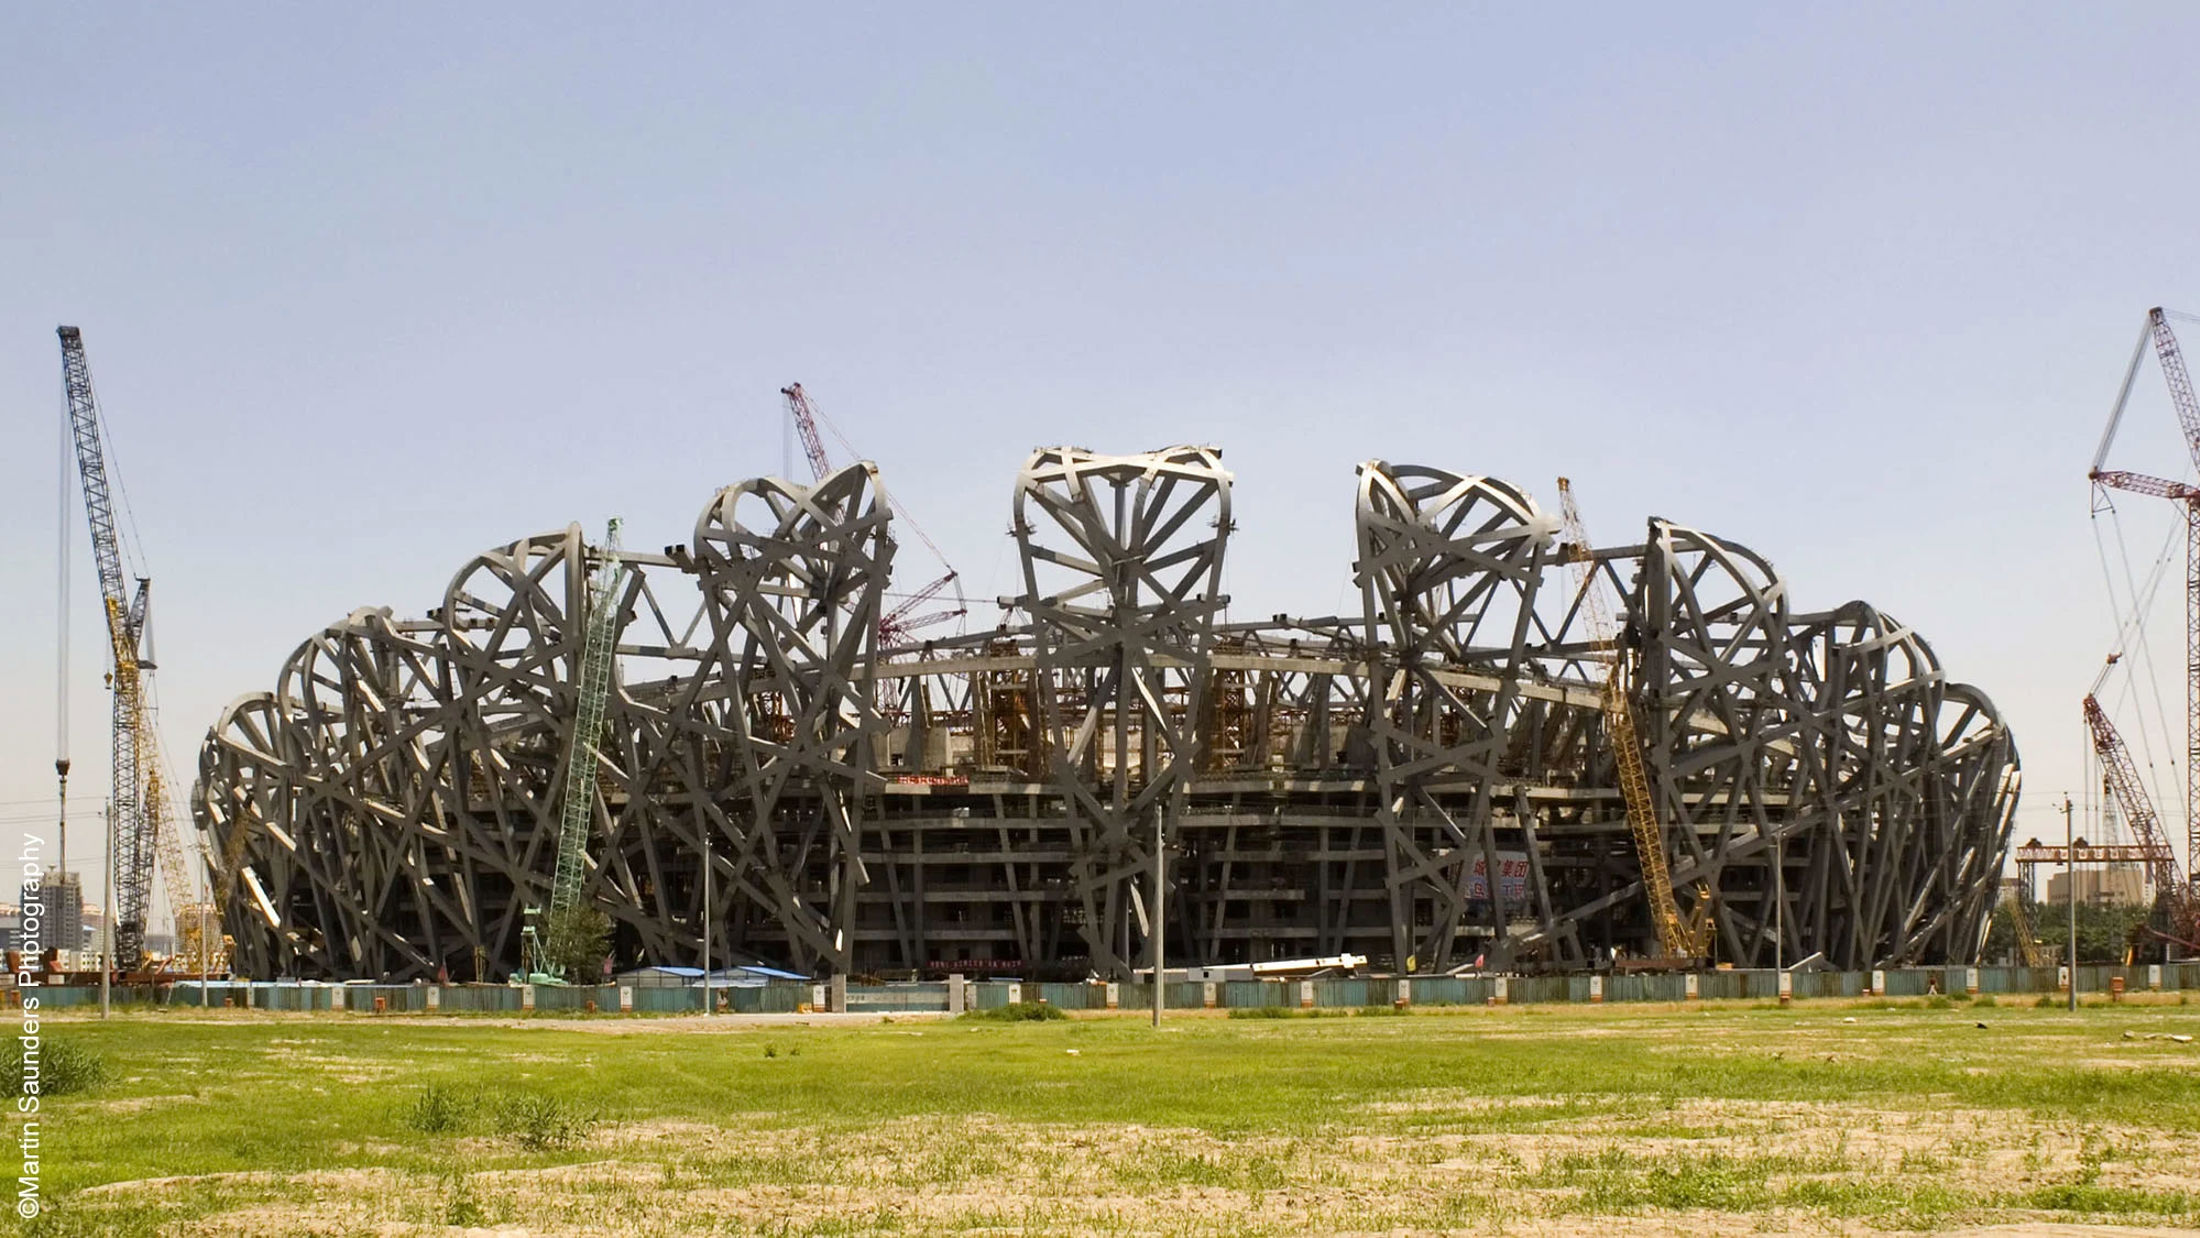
<point>957,995</point>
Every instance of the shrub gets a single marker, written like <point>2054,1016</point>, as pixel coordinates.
<point>437,1110</point>
<point>538,1121</point>
<point>1263,1012</point>
<point>575,942</point>
<point>1018,1012</point>
<point>461,1208</point>
<point>63,1067</point>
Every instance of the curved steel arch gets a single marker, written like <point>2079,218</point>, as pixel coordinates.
<point>1428,781</point>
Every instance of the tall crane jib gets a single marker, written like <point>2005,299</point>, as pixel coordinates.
<point>2122,777</point>
<point>1679,938</point>
<point>2171,358</point>
<point>606,599</point>
<point>598,646</point>
<point>928,605</point>
<point>132,826</point>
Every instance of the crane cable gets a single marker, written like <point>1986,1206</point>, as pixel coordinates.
<point>2131,633</point>
<point>130,541</point>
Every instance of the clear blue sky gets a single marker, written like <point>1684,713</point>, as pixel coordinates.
<point>367,294</point>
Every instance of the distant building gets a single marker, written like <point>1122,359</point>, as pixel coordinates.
<point>60,899</point>
<point>2102,883</point>
<point>11,926</point>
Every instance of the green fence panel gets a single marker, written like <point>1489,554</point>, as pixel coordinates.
<point>1334,993</point>
<point>1066,996</point>
<point>1538,990</point>
<point>667,999</point>
<point>1439,991</point>
<point>1185,995</point>
<point>898,998</point>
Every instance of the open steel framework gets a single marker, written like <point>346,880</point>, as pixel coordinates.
<point>1427,782</point>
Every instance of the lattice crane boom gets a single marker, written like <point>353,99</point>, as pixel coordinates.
<point>2123,781</point>
<point>599,644</point>
<point>805,424</point>
<point>896,625</point>
<point>1677,936</point>
<point>2171,358</point>
<point>135,843</point>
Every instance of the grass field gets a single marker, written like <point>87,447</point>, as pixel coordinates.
<point>1739,1119</point>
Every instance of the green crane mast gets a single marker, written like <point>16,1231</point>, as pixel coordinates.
<point>599,642</point>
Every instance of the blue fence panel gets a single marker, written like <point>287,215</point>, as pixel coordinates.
<point>658,999</point>
<point>1066,996</point>
<point>1538,990</point>
<point>1439,991</point>
<point>1250,994</point>
<point>1330,993</point>
<point>1185,995</point>
<point>893,998</point>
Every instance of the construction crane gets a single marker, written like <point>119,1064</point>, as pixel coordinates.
<point>2020,921</point>
<point>599,645</point>
<point>896,626</point>
<point>2172,360</point>
<point>1679,938</point>
<point>2122,776</point>
<point>129,661</point>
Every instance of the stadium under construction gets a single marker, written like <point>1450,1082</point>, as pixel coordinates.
<point>1520,751</point>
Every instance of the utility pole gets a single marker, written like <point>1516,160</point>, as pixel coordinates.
<point>107,920</point>
<point>1780,902</point>
<point>2070,895</point>
<point>709,998</point>
<point>1160,920</point>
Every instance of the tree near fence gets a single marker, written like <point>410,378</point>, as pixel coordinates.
<point>575,941</point>
<point>2105,931</point>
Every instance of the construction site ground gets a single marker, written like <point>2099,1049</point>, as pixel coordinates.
<point>1920,1115</point>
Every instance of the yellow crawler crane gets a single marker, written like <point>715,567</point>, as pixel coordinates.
<point>143,829</point>
<point>1679,938</point>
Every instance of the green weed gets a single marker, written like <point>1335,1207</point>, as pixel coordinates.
<point>60,1067</point>
<point>1018,1012</point>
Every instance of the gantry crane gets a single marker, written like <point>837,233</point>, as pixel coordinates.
<point>1678,937</point>
<point>599,646</point>
<point>2172,360</point>
<point>909,616</point>
<point>135,828</point>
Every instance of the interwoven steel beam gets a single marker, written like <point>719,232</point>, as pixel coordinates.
<point>1428,782</point>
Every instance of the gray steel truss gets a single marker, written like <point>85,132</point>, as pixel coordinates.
<point>1429,783</point>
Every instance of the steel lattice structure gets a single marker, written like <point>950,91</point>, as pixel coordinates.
<point>1428,782</point>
